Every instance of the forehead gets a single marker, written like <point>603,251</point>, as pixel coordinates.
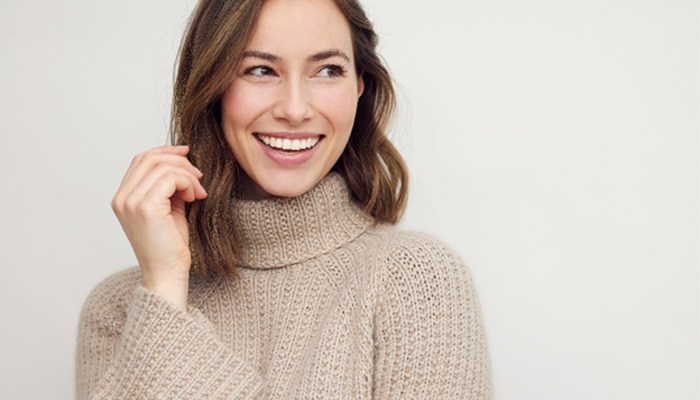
<point>303,27</point>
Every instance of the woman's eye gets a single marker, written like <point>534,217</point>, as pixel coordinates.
<point>260,71</point>
<point>331,71</point>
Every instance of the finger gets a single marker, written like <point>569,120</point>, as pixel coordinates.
<point>163,173</point>
<point>172,185</point>
<point>155,201</point>
<point>150,155</point>
<point>149,161</point>
<point>170,149</point>
<point>127,202</point>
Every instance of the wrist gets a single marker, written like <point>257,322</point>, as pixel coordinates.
<point>172,289</point>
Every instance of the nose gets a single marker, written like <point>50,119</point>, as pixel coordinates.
<point>293,105</point>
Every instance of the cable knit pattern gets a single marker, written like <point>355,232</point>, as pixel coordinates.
<point>327,305</point>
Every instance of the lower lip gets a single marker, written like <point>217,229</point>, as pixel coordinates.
<point>288,158</point>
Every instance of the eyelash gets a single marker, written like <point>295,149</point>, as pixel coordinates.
<point>267,71</point>
<point>335,71</point>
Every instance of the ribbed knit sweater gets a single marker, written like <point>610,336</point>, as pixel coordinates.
<point>327,305</point>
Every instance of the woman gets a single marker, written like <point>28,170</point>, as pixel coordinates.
<point>268,265</point>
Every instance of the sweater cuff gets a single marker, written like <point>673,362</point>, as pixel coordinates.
<point>166,352</point>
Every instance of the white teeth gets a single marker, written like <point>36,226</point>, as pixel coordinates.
<point>289,144</point>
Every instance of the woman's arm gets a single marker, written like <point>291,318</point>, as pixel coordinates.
<point>134,344</point>
<point>150,205</point>
<point>137,338</point>
<point>430,341</point>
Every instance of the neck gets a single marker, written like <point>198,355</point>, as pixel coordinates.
<point>278,232</point>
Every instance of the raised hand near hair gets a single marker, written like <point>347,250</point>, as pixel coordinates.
<point>150,205</point>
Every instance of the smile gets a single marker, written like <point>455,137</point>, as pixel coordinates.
<point>288,144</point>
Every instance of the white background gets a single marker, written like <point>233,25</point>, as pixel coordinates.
<point>552,143</point>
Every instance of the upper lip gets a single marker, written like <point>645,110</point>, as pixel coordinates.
<point>290,135</point>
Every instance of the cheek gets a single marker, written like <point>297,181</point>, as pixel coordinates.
<point>340,107</point>
<point>240,106</point>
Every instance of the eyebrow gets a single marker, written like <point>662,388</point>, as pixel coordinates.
<point>320,56</point>
<point>262,55</point>
<point>323,55</point>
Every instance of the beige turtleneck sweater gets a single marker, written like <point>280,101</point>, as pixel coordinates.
<point>328,305</point>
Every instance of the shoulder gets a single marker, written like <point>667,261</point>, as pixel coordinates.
<point>415,251</point>
<point>410,263</point>
<point>107,302</point>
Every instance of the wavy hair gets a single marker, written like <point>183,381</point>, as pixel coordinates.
<point>209,56</point>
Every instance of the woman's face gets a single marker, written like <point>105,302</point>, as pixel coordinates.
<point>288,113</point>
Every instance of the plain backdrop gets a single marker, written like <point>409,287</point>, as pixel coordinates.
<point>553,144</point>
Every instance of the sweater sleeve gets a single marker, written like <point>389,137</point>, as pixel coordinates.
<point>429,336</point>
<point>132,344</point>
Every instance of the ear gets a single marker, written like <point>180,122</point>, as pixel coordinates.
<point>360,86</point>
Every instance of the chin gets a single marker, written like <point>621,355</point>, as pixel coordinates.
<point>287,184</point>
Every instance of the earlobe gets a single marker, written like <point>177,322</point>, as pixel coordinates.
<point>360,86</point>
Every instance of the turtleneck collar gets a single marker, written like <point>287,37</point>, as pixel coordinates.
<point>279,232</point>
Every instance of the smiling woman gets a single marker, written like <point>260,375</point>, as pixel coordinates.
<point>269,266</point>
<point>292,85</point>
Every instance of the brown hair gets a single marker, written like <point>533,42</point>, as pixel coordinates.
<point>211,50</point>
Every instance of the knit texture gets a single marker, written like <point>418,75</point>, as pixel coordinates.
<point>327,305</point>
